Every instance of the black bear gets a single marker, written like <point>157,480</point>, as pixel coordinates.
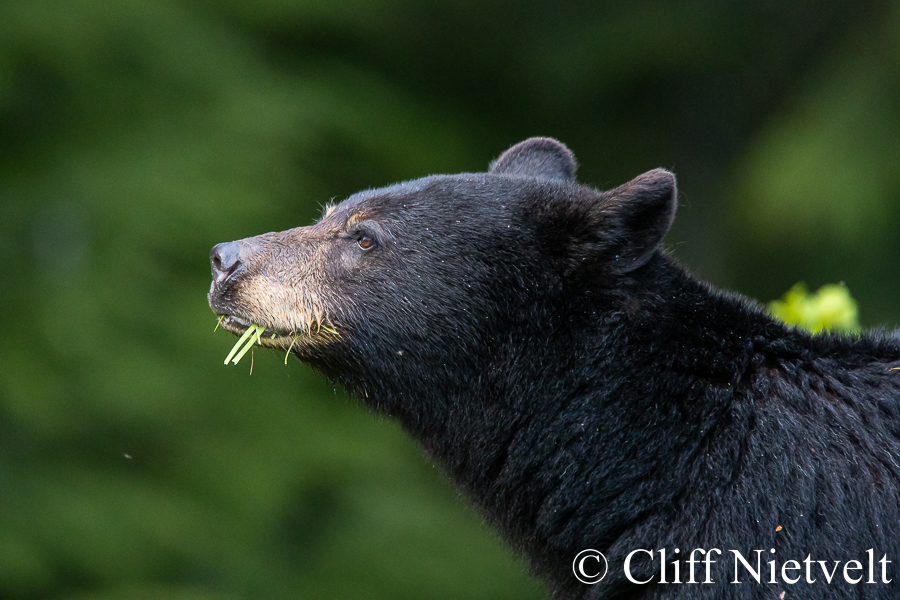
<point>585,391</point>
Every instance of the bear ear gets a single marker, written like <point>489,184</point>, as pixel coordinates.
<point>539,157</point>
<point>635,217</point>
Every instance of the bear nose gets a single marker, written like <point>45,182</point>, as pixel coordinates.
<point>224,259</point>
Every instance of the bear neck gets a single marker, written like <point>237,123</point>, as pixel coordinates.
<point>630,380</point>
<point>604,362</point>
<point>626,350</point>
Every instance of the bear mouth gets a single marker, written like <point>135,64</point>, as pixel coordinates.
<point>275,337</point>
<point>269,336</point>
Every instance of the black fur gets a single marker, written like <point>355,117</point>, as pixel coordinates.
<point>585,391</point>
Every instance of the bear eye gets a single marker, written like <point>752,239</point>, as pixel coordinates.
<point>365,242</point>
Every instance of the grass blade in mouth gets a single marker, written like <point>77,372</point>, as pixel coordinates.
<point>250,331</point>
<point>256,330</point>
<point>289,348</point>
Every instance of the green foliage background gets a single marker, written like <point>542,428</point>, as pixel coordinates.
<point>135,135</point>
<point>830,308</point>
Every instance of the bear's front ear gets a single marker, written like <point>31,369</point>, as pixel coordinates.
<point>636,216</point>
<point>539,157</point>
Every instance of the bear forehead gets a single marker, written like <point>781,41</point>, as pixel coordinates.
<point>486,189</point>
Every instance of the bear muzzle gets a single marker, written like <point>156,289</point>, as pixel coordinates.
<point>248,289</point>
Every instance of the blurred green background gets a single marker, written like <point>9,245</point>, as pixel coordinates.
<point>134,135</point>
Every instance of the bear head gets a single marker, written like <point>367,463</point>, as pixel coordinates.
<point>418,283</point>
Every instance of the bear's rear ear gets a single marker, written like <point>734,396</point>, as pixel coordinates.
<point>540,157</point>
<point>636,216</point>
